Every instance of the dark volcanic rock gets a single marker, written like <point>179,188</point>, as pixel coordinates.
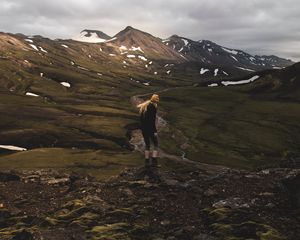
<point>8,176</point>
<point>132,206</point>
<point>24,235</point>
<point>292,186</point>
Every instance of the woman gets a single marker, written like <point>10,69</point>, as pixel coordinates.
<point>148,111</point>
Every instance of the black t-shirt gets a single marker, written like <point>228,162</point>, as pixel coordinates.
<point>148,118</point>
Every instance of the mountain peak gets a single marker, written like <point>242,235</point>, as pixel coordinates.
<point>128,28</point>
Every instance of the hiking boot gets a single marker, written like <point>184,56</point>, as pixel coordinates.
<point>147,163</point>
<point>154,163</point>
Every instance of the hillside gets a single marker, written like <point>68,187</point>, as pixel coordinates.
<point>238,123</point>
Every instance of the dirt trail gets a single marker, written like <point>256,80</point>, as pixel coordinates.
<point>138,142</point>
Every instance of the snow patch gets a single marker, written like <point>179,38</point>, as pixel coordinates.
<point>34,47</point>
<point>66,84</point>
<point>155,73</point>
<point>183,56</point>
<point>41,74</point>
<point>213,85</point>
<point>43,50</point>
<point>203,70</point>
<point>225,73</point>
<point>168,72</point>
<point>143,58</point>
<point>216,72</point>
<point>93,38</point>
<point>65,46</point>
<point>123,48</point>
<point>230,51</point>
<point>136,49</point>
<point>13,148</point>
<point>246,69</point>
<point>227,83</point>
<point>186,42</point>
<point>131,56</point>
<point>31,94</point>
<point>112,55</point>
<point>234,58</point>
<point>82,68</point>
<point>110,40</point>
<point>29,40</point>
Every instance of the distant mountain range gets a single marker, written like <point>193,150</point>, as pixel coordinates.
<point>130,54</point>
<point>202,54</point>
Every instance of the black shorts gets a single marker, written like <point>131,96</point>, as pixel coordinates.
<point>150,137</point>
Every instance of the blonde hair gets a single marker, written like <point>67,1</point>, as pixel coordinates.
<point>143,106</point>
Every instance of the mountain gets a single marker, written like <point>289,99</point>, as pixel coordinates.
<point>132,40</point>
<point>91,36</point>
<point>207,52</point>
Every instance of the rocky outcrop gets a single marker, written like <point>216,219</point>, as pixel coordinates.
<point>150,204</point>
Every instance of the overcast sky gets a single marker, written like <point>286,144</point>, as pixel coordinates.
<point>256,26</point>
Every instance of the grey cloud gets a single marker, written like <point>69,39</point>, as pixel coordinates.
<point>258,26</point>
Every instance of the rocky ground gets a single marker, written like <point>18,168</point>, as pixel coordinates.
<point>157,204</point>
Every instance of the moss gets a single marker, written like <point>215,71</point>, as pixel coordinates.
<point>121,213</point>
<point>269,234</point>
<point>245,230</point>
<point>12,231</point>
<point>117,231</point>
<point>219,214</point>
<point>76,203</point>
<point>52,221</point>
<point>86,220</point>
<point>221,229</point>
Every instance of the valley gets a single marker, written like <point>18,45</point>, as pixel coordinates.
<point>72,151</point>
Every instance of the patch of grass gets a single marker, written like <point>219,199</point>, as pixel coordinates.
<point>100,164</point>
